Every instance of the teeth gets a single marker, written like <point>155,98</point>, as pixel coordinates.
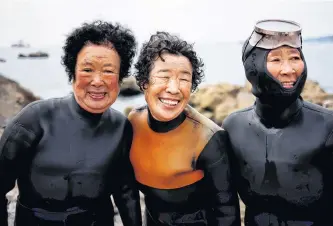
<point>97,95</point>
<point>169,102</point>
<point>288,83</point>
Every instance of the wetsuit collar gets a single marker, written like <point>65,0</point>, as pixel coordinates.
<point>273,116</point>
<point>83,113</point>
<point>163,127</point>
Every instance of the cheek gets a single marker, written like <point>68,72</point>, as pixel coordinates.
<point>112,83</point>
<point>81,81</point>
<point>186,92</point>
<point>80,84</point>
<point>273,69</point>
<point>300,68</point>
<point>152,93</point>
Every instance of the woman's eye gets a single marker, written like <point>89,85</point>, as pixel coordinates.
<point>163,77</point>
<point>108,71</point>
<point>87,70</point>
<point>296,58</point>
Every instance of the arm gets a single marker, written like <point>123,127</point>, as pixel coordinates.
<point>214,161</point>
<point>13,143</point>
<point>126,195</point>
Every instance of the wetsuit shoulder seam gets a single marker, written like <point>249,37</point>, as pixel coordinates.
<point>203,125</point>
<point>215,163</point>
<point>210,125</point>
<point>241,111</point>
<point>318,110</point>
<point>233,116</point>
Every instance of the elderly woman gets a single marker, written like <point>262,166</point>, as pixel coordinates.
<point>70,154</point>
<point>282,145</point>
<point>179,156</point>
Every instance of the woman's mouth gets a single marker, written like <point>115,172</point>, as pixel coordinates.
<point>97,95</point>
<point>288,85</point>
<point>169,103</point>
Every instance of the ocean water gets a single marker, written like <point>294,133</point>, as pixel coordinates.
<point>47,78</point>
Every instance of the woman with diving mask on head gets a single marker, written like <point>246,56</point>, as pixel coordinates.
<point>282,146</point>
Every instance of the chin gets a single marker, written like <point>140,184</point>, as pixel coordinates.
<point>168,116</point>
<point>98,108</point>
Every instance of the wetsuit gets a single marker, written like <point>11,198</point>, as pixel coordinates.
<point>182,168</point>
<point>282,152</point>
<point>67,163</point>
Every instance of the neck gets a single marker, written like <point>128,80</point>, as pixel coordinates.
<point>82,113</point>
<point>163,127</point>
<point>277,114</point>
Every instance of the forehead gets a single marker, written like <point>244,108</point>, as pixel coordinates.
<point>91,53</point>
<point>172,62</point>
<point>284,50</point>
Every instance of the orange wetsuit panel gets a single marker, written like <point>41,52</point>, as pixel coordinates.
<point>167,160</point>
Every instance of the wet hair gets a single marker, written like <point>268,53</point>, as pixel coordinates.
<point>163,42</point>
<point>104,34</point>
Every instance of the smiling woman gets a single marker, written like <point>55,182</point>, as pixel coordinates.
<point>285,64</point>
<point>282,145</point>
<point>178,155</point>
<point>96,84</point>
<point>170,86</point>
<point>70,154</point>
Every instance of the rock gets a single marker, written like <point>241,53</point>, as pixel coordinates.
<point>13,98</point>
<point>127,110</point>
<point>129,87</point>
<point>218,101</point>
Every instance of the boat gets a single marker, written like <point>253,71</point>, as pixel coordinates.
<point>38,54</point>
<point>20,44</point>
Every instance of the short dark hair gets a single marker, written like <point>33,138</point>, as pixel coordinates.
<point>100,33</point>
<point>160,43</point>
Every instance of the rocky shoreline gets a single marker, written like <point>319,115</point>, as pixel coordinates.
<point>214,101</point>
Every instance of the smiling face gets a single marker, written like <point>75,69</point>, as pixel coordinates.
<point>286,65</point>
<point>96,83</point>
<point>169,88</point>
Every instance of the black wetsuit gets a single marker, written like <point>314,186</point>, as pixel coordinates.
<point>67,163</point>
<point>183,170</point>
<point>282,152</point>
<point>285,167</point>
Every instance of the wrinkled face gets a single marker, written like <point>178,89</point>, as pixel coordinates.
<point>285,64</point>
<point>96,85</point>
<point>169,88</point>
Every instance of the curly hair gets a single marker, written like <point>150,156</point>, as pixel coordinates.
<point>100,33</point>
<point>160,43</point>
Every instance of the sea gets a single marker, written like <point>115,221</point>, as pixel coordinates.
<point>46,77</point>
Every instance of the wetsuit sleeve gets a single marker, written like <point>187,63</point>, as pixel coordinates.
<point>222,195</point>
<point>14,143</point>
<point>126,195</point>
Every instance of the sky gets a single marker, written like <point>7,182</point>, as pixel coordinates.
<point>47,22</point>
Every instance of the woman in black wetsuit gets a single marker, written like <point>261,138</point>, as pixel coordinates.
<point>282,145</point>
<point>178,155</point>
<point>70,154</point>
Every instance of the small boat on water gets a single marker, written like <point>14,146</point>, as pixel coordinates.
<point>20,44</point>
<point>38,54</point>
<point>2,60</point>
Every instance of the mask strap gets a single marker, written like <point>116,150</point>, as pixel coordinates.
<point>248,41</point>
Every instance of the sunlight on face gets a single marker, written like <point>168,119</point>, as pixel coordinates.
<point>169,88</point>
<point>96,83</point>
<point>286,65</point>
